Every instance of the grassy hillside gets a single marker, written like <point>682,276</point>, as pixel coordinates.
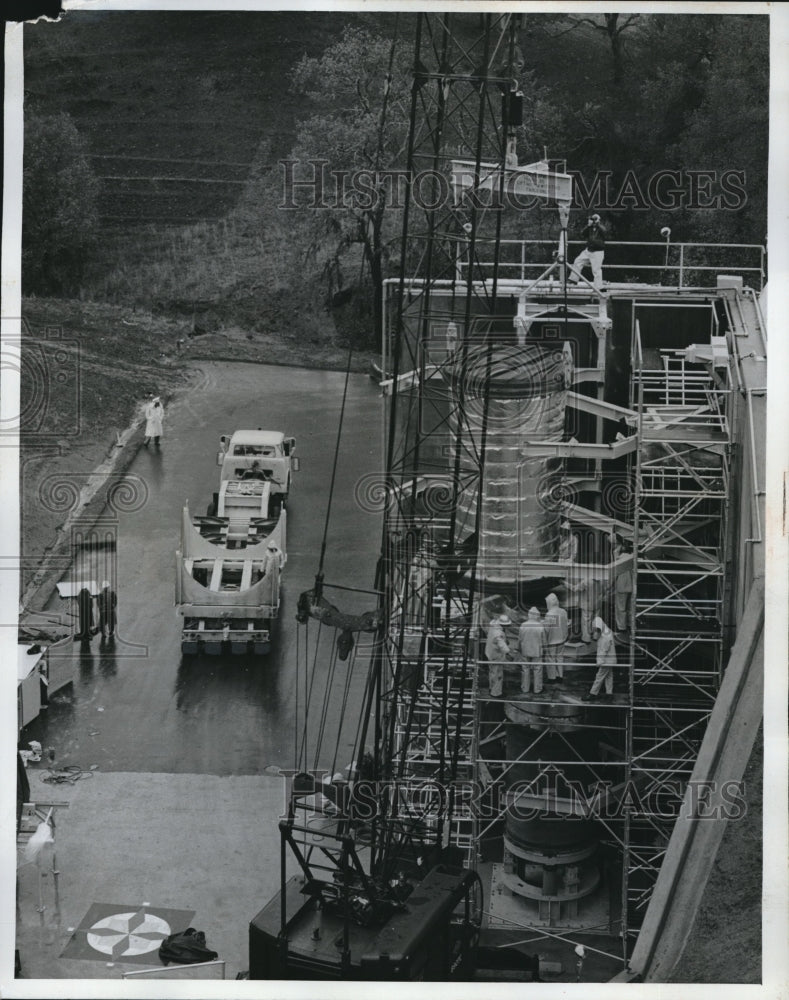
<point>179,110</point>
<point>173,105</point>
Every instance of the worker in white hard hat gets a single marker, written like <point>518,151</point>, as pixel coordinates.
<point>606,659</point>
<point>532,641</point>
<point>497,653</point>
<point>592,254</point>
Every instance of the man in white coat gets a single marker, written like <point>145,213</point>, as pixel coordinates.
<point>497,652</point>
<point>272,567</point>
<point>154,421</point>
<point>531,640</point>
<point>557,632</point>
<point>606,659</point>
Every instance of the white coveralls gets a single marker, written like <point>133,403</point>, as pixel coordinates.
<point>531,639</point>
<point>272,567</point>
<point>557,631</point>
<point>497,651</point>
<point>606,658</point>
<point>154,420</point>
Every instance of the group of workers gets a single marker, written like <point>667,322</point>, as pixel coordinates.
<point>539,648</point>
<point>105,604</point>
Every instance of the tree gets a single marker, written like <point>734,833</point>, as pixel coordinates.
<point>611,27</point>
<point>359,87</point>
<point>60,216</point>
<point>729,129</point>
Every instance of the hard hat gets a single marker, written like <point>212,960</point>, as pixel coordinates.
<point>595,218</point>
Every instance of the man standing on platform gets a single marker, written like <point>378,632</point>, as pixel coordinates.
<point>592,254</point>
<point>497,652</point>
<point>556,632</point>
<point>531,639</point>
<point>606,659</point>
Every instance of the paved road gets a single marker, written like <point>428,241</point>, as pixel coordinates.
<point>142,707</point>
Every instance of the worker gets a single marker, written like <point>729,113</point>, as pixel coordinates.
<point>557,631</point>
<point>587,597</point>
<point>154,421</point>
<point>623,587</point>
<point>606,658</point>
<point>253,472</point>
<point>272,566</point>
<point>497,653</point>
<point>274,555</point>
<point>592,254</point>
<point>85,610</point>
<point>568,543</point>
<point>108,601</point>
<point>420,582</point>
<point>532,641</point>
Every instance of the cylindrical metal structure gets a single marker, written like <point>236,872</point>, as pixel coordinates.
<point>516,394</point>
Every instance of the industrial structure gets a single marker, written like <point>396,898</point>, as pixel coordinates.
<point>545,435</point>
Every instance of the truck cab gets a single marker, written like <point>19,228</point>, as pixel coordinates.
<point>263,455</point>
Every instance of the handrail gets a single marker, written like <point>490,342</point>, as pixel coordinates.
<point>522,265</point>
<point>754,471</point>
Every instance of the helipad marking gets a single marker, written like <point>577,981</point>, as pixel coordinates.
<point>124,934</point>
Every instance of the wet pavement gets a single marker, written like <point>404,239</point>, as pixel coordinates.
<point>138,705</point>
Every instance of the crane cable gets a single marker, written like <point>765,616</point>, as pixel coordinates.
<point>326,699</point>
<point>346,694</point>
<point>378,154</point>
<point>301,754</point>
<point>319,575</point>
<point>308,692</point>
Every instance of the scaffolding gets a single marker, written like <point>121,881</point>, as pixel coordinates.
<point>682,486</point>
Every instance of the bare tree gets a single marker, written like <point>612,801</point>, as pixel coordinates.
<point>612,28</point>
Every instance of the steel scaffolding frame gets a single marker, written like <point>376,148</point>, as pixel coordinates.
<point>464,68</point>
<point>682,483</point>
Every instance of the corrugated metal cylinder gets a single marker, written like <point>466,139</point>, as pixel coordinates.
<point>527,398</point>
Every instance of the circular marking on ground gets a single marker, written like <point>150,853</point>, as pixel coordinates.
<point>126,934</point>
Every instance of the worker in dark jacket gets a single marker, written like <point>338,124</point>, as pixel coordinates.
<point>592,254</point>
<point>108,602</point>
<point>85,611</point>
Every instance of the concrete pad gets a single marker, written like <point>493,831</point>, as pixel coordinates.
<point>189,842</point>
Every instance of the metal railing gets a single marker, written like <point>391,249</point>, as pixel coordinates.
<point>673,259</point>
